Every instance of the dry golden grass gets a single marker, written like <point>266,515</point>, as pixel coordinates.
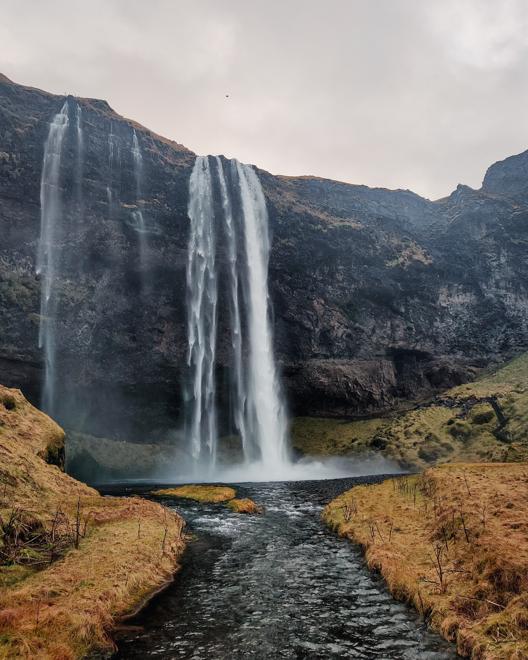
<point>198,492</point>
<point>454,543</point>
<point>244,505</point>
<point>128,548</point>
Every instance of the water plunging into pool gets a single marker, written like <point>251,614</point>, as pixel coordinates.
<point>259,417</point>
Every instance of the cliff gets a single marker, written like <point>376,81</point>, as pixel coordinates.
<point>378,296</point>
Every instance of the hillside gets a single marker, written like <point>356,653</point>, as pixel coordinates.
<point>72,563</point>
<point>486,420</point>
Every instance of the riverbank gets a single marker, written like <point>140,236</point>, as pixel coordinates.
<point>454,543</point>
<point>72,563</point>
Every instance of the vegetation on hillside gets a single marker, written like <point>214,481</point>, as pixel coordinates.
<point>454,543</point>
<point>486,420</point>
<point>72,563</point>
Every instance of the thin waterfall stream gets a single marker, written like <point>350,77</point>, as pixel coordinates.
<point>137,213</point>
<point>48,253</point>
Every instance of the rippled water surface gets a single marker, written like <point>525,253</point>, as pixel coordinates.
<point>276,586</point>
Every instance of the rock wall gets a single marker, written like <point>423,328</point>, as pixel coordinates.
<point>378,296</point>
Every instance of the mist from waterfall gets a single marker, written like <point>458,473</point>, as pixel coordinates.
<point>47,257</point>
<point>259,418</point>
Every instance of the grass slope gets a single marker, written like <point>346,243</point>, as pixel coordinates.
<point>72,563</point>
<point>486,420</point>
<point>454,543</point>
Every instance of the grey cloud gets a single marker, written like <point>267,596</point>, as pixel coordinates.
<point>395,93</point>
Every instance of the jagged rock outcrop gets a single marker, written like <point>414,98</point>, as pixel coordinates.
<point>378,296</point>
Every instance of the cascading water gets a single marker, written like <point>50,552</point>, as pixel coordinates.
<point>111,158</point>
<point>80,161</point>
<point>138,163</point>
<point>265,410</point>
<point>80,138</point>
<point>258,415</point>
<point>238,378</point>
<point>47,258</point>
<point>201,324</point>
<point>137,214</point>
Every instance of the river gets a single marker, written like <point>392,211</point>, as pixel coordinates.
<point>278,585</point>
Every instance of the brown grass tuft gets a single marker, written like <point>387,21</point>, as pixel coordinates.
<point>199,493</point>
<point>244,505</point>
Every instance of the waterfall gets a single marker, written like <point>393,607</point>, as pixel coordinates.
<point>201,324</point>
<point>114,159</point>
<point>266,411</point>
<point>138,163</point>
<point>238,377</point>
<point>79,165</point>
<point>47,257</point>
<point>80,139</point>
<point>137,214</point>
<point>258,414</point>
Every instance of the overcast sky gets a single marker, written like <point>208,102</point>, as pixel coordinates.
<point>419,94</point>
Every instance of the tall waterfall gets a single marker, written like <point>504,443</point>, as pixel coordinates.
<point>80,137</point>
<point>47,257</point>
<point>114,163</point>
<point>258,414</point>
<point>80,159</point>
<point>238,377</point>
<point>138,162</point>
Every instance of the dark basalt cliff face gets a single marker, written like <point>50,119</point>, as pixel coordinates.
<point>378,296</point>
